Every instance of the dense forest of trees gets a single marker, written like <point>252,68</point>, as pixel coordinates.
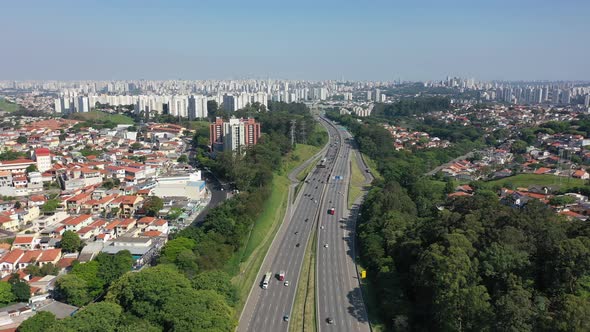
<point>470,263</point>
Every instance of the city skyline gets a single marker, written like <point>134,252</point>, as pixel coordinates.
<point>378,40</point>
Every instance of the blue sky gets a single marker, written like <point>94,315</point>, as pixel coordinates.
<point>359,40</point>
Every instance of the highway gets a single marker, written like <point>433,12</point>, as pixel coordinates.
<point>340,305</point>
<point>265,308</point>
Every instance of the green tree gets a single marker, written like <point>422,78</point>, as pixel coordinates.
<point>112,267</point>
<point>573,314</point>
<point>152,205</point>
<point>33,270</point>
<point>186,261</point>
<point>519,147</point>
<point>89,272</point>
<point>131,323</point>
<point>72,289</point>
<point>212,109</point>
<point>50,206</point>
<point>174,213</point>
<point>70,242</point>
<point>6,295</point>
<point>174,247</point>
<point>136,146</point>
<point>514,310</point>
<point>194,310</point>
<point>562,200</point>
<point>100,316</point>
<point>49,269</point>
<point>182,159</point>
<point>20,289</point>
<point>145,293</point>
<point>42,321</point>
<point>22,140</point>
<point>219,282</point>
<point>31,168</point>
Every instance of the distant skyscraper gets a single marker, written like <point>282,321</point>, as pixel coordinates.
<point>555,96</point>
<point>566,97</point>
<point>369,95</point>
<point>83,106</point>
<point>229,103</point>
<point>197,107</point>
<point>377,95</point>
<point>587,101</point>
<point>59,105</point>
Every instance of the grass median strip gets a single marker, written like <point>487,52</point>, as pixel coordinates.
<point>304,313</point>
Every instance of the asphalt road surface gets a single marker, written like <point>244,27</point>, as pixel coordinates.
<point>265,309</point>
<point>339,298</point>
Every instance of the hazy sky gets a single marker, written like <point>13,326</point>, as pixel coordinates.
<point>301,39</point>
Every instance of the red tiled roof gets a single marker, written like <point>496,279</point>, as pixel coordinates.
<point>42,152</point>
<point>73,221</point>
<point>13,256</point>
<point>151,233</point>
<point>23,239</point>
<point>542,170</point>
<point>17,161</point>
<point>65,262</point>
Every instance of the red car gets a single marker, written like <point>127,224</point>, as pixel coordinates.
<point>332,211</point>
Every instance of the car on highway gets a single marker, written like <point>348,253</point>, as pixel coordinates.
<point>282,276</point>
<point>325,245</point>
<point>297,245</point>
<point>330,320</point>
<point>332,211</point>
<point>322,227</point>
<point>286,318</point>
<point>286,283</point>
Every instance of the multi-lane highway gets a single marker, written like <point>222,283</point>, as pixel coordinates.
<point>265,309</point>
<point>339,298</point>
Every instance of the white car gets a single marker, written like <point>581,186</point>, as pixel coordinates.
<point>325,245</point>
<point>286,283</point>
<point>322,227</point>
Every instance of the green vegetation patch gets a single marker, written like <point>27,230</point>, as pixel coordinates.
<point>98,117</point>
<point>526,180</point>
<point>357,181</point>
<point>8,106</point>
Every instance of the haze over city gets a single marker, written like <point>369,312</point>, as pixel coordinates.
<point>313,40</point>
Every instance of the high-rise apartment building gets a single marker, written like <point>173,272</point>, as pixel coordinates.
<point>234,135</point>
<point>197,107</point>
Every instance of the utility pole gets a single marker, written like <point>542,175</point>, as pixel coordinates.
<point>293,122</point>
<point>303,140</point>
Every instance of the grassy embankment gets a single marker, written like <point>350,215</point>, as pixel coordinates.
<point>372,167</point>
<point>245,264</point>
<point>8,106</point>
<point>357,181</point>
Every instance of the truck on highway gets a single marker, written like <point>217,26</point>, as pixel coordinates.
<point>332,211</point>
<point>282,276</point>
<point>266,280</point>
